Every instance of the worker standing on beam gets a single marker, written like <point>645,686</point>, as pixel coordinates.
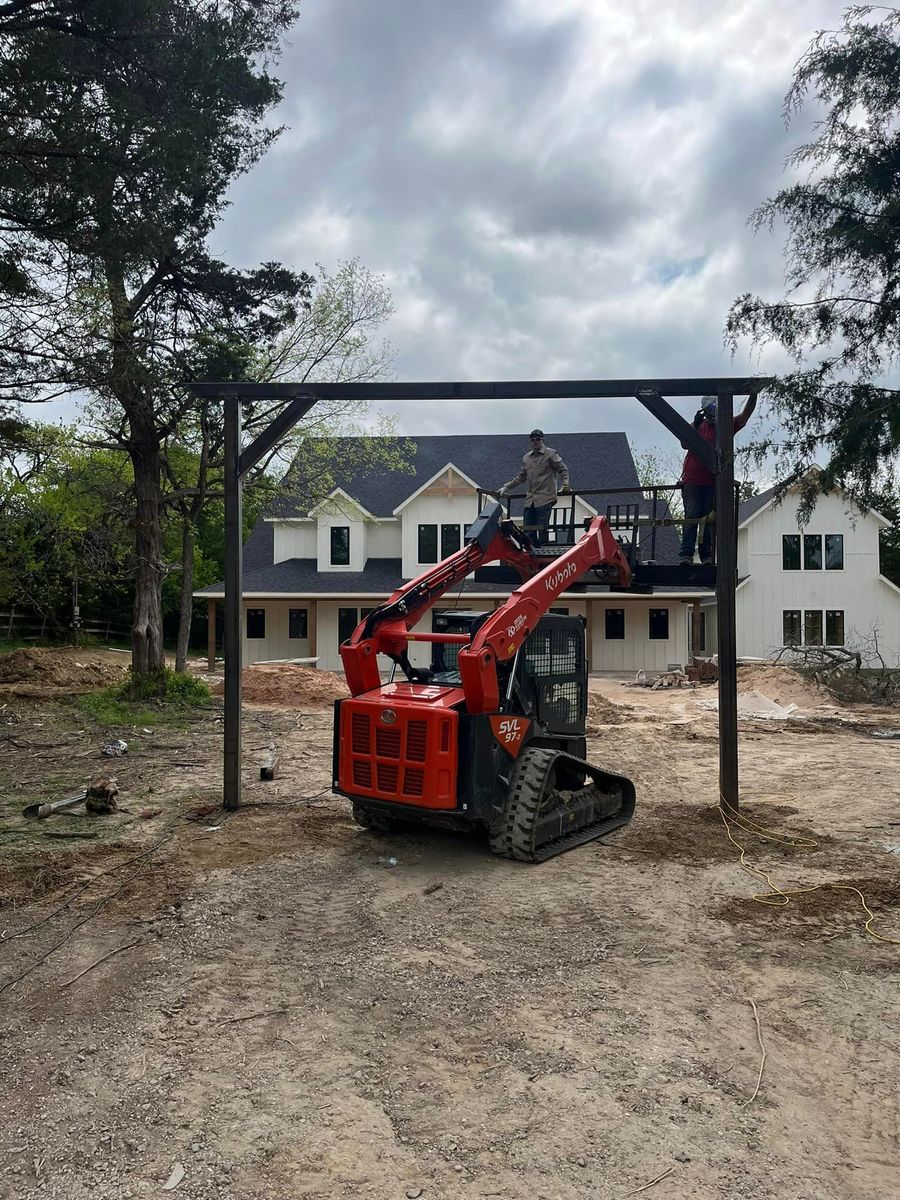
<point>698,484</point>
<point>545,474</point>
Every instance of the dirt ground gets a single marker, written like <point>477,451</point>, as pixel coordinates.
<point>282,1015</point>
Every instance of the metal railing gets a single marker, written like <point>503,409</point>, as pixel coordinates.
<point>636,518</point>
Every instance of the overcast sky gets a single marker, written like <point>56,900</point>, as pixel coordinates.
<point>552,188</point>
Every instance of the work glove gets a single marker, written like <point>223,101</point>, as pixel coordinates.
<point>565,491</point>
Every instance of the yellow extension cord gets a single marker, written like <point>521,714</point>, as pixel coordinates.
<point>779,897</point>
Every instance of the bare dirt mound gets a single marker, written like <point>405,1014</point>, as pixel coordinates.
<point>602,711</point>
<point>289,685</point>
<point>784,685</point>
<point>40,671</point>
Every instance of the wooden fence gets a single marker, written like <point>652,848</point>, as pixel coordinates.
<point>22,625</point>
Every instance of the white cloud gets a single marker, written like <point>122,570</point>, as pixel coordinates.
<point>550,189</point>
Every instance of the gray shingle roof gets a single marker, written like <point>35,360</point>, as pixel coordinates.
<point>752,506</point>
<point>298,576</point>
<point>595,460</point>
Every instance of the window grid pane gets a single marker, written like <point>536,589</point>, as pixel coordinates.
<point>659,624</point>
<point>790,552</point>
<point>812,627</point>
<point>812,552</point>
<point>340,545</point>
<point>428,543</point>
<point>834,627</point>
<point>348,620</point>
<point>791,631</point>
<point>450,540</point>
<point>615,624</point>
<point>297,627</point>
<point>834,552</point>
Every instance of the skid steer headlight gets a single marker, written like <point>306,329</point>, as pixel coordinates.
<point>389,716</point>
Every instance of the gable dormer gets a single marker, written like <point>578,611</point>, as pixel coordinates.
<point>340,532</point>
<point>435,517</point>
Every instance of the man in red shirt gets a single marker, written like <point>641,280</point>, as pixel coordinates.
<point>698,484</point>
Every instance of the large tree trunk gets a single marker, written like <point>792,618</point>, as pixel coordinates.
<point>186,611</point>
<point>147,652</point>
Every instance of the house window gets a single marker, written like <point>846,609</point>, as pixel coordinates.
<point>812,627</point>
<point>615,624</point>
<point>834,627</point>
<point>340,545</point>
<point>834,552</point>
<point>256,622</point>
<point>812,552</point>
<point>428,543</point>
<point>792,630</point>
<point>450,540</point>
<point>563,612</point>
<point>659,624</point>
<point>348,619</point>
<point>297,627</point>
<point>790,552</point>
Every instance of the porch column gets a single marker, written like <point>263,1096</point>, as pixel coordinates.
<point>589,634</point>
<point>695,629</point>
<point>211,635</point>
<point>311,627</point>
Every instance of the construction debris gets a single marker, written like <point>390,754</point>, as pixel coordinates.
<point>101,797</point>
<point>755,705</point>
<point>40,811</point>
<point>268,764</point>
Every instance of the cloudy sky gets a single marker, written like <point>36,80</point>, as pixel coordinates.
<point>552,188</point>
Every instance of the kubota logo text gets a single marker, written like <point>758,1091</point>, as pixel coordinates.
<point>559,577</point>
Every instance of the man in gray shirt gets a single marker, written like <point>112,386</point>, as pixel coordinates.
<point>544,474</point>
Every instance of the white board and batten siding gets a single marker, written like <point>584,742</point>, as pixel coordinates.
<point>858,591</point>
<point>277,644</point>
<point>638,650</point>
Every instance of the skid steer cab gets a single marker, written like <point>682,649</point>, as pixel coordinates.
<point>492,734</point>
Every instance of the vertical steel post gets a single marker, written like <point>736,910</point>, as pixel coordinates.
<point>233,603</point>
<point>726,582</point>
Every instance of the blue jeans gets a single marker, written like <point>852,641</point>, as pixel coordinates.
<point>537,517</point>
<point>699,499</point>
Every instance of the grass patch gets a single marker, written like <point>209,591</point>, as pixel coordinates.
<point>138,702</point>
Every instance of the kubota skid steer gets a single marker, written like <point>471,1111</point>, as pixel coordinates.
<point>496,741</point>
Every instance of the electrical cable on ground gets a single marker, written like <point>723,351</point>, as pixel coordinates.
<point>778,897</point>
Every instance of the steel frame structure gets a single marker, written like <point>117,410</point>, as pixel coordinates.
<point>300,398</point>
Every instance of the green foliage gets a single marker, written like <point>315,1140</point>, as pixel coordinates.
<point>170,698</point>
<point>125,122</point>
<point>840,317</point>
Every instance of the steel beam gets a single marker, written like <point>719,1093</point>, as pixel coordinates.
<point>726,583</point>
<point>234,603</point>
<point>540,389</point>
<point>272,434</point>
<point>683,430</point>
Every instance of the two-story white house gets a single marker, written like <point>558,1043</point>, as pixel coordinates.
<point>311,574</point>
<point>819,585</point>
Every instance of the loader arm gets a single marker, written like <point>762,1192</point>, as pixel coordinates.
<point>503,633</point>
<point>386,630</point>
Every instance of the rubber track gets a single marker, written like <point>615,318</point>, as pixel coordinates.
<point>514,837</point>
<point>370,819</point>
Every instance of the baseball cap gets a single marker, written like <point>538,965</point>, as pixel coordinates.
<point>536,433</point>
<point>709,403</point>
